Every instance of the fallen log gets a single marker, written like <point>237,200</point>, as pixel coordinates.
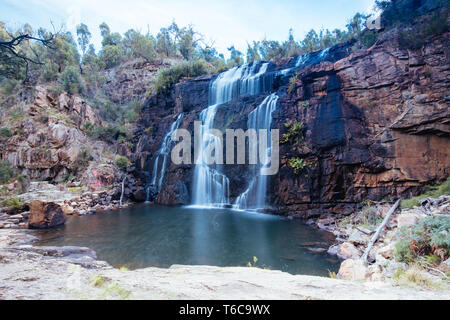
<point>379,230</point>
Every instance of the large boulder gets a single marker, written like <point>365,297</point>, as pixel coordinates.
<point>407,219</point>
<point>357,237</point>
<point>445,265</point>
<point>58,134</point>
<point>347,250</point>
<point>353,269</point>
<point>45,215</point>
<point>139,195</point>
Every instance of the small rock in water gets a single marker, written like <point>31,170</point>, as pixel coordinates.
<point>288,258</point>
<point>333,250</point>
<point>316,250</point>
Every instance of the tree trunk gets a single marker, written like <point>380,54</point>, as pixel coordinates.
<point>380,228</point>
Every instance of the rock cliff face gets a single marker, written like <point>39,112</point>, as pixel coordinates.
<point>46,137</point>
<point>132,80</point>
<point>377,126</point>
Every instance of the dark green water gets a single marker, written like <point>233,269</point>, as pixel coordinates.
<point>146,235</point>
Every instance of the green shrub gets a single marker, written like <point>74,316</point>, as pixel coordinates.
<point>411,203</point>
<point>5,132</point>
<point>168,77</point>
<point>109,133</point>
<point>402,251</point>
<point>369,217</point>
<point>23,182</point>
<point>295,133</point>
<point>443,188</point>
<point>122,162</point>
<point>298,164</point>
<point>416,37</point>
<point>111,56</point>
<point>131,115</point>
<point>292,83</point>
<point>368,38</point>
<point>6,171</point>
<point>83,159</point>
<point>133,111</point>
<point>414,276</point>
<point>437,25</point>
<point>70,80</point>
<point>7,86</point>
<point>87,126</point>
<point>50,71</point>
<point>433,191</point>
<point>97,281</point>
<point>14,204</point>
<point>401,11</point>
<point>305,104</point>
<point>431,236</point>
<point>148,130</point>
<point>221,68</point>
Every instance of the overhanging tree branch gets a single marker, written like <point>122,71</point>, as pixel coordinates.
<point>10,48</point>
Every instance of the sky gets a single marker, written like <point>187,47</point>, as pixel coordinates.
<point>226,22</point>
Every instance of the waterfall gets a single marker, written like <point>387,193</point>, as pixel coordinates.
<point>304,60</point>
<point>211,187</point>
<point>312,58</point>
<point>247,79</point>
<point>160,164</point>
<point>260,118</point>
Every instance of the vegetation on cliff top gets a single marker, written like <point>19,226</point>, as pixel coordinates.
<point>72,61</point>
<point>170,76</point>
<point>432,191</point>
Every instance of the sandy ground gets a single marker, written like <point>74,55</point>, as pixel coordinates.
<point>28,272</point>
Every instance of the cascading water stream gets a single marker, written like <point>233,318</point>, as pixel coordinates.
<point>211,187</point>
<point>160,164</point>
<point>255,195</point>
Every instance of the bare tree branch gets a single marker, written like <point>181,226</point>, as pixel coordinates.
<point>11,47</point>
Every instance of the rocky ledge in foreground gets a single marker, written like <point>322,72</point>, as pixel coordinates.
<point>28,272</point>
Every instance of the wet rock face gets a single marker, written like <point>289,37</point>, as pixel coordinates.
<point>45,215</point>
<point>376,127</point>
